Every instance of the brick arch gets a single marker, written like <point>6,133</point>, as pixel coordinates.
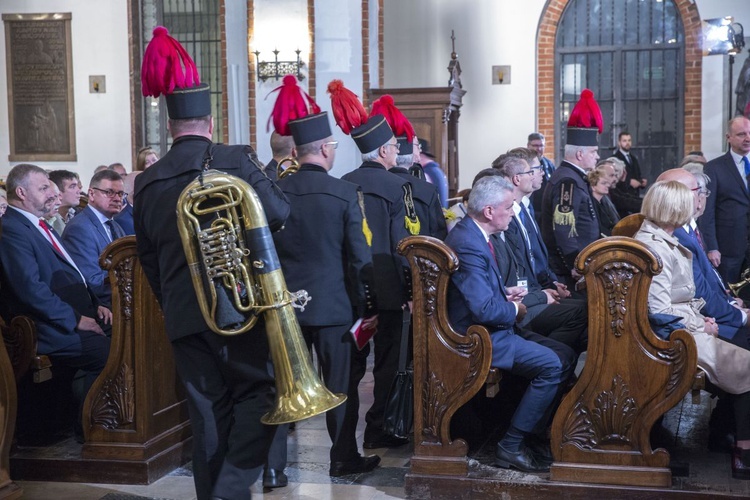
<point>546,72</point>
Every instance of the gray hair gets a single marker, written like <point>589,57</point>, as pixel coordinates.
<point>572,150</point>
<point>701,178</point>
<point>510,166</point>
<point>693,167</point>
<point>405,160</point>
<point>489,191</point>
<point>372,155</point>
<point>19,176</point>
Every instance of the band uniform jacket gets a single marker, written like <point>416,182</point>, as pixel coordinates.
<point>154,212</point>
<point>386,200</point>
<point>569,221</point>
<point>37,281</point>
<point>323,248</point>
<point>426,203</point>
<point>270,169</point>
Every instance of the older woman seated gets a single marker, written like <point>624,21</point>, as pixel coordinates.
<point>667,206</point>
<point>600,182</point>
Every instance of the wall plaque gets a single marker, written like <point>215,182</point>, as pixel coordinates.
<point>39,64</point>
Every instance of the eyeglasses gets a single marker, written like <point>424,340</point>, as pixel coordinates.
<point>110,193</point>
<point>528,172</point>
<point>395,145</point>
<point>705,192</point>
<point>335,144</point>
<point>536,169</point>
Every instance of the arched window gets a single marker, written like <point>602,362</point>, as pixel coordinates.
<point>631,53</point>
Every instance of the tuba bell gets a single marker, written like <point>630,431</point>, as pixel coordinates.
<point>293,167</point>
<point>736,287</point>
<point>237,276</point>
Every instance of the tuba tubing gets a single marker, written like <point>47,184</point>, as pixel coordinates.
<point>293,167</point>
<point>299,392</point>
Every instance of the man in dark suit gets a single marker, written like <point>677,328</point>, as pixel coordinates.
<point>476,295</point>
<point>550,309</point>
<point>88,234</point>
<point>536,143</point>
<point>728,313</point>
<point>40,280</point>
<point>323,250</point>
<point>226,378</point>
<point>724,224</point>
<point>634,181</point>
<point>391,217</point>
<point>125,217</point>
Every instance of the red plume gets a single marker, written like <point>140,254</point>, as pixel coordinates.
<point>398,122</point>
<point>166,65</point>
<point>291,104</point>
<point>347,109</point>
<point>586,113</point>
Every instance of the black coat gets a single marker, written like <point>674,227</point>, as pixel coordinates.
<point>632,171</point>
<point>323,249</point>
<point>386,208</point>
<point>427,205</point>
<point>569,221</point>
<point>154,215</point>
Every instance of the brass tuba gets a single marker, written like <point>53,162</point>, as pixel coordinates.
<point>293,167</point>
<point>233,264</point>
<point>736,287</point>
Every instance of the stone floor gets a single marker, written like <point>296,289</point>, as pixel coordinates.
<point>684,432</point>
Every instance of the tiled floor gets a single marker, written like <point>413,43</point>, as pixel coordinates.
<point>307,469</point>
<point>684,432</point>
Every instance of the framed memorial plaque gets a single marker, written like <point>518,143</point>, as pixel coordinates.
<point>40,87</point>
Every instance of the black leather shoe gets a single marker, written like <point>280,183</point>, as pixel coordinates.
<point>357,466</point>
<point>740,468</point>
<point>273,478</point>
<point>385,442</point>
<point>522,460</point>
<point>720,442</point>
<point>539,449</point>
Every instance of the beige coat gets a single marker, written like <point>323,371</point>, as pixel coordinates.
<point>673,292</point>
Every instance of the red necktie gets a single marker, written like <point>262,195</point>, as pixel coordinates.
<point>43,225</point>
<point>700,240</point>
<point>492,249</point>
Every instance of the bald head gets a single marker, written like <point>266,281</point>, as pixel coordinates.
<point>686,178</point>
<point>680,175</point>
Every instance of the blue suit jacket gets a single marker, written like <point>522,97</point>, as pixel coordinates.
<point>709,288</point>
<point>724,223</point>
<point>476,295</point>
<point>125,219</point>
<point>38,282</point>
<point>85,239</point>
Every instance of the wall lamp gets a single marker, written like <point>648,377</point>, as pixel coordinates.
<point>278,69</point>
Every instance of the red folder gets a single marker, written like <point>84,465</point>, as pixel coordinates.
<point>360,334</point>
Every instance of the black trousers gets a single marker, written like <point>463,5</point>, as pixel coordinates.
<point>387,348</point>
<point>333,346</point>
<point>228,390</point>
<point>566,322</point>
<point>91,358</point>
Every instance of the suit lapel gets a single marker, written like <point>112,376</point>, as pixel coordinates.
<point>97,225</point>
<point>39,237</point>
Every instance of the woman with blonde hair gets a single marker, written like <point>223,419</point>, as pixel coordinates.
<point>146,157</point>
<point>667,206</point>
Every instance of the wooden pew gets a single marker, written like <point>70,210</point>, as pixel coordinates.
<point>135,418</point>
<point>601,431</point>
<point>8,489</point>
<point>449,367</point>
